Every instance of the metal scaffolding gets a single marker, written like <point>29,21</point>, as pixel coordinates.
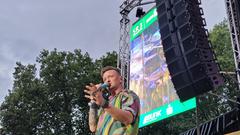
<point>232,7</point>
<point>124,52</point>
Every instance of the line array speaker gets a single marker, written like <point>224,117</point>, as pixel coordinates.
<point>188,52</point>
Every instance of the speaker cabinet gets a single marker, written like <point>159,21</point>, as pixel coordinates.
<point>190,59</point>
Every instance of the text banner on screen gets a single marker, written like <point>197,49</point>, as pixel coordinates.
<point>142,24</point>
<point>166,111</point>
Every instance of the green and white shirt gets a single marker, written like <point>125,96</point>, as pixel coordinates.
<point>126,100</point>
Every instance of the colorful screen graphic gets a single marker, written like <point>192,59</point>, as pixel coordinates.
<point>149,75</point>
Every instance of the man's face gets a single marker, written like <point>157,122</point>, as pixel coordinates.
<point>112,78</point>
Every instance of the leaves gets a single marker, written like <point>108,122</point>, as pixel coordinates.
<point>221,42</point>
<point>54,103</point>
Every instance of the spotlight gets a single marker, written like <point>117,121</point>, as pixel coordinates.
<point>139,12</point>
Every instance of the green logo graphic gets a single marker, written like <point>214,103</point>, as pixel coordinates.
<point>166,111</point>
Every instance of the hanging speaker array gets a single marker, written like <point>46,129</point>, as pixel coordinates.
<point>188,52</point>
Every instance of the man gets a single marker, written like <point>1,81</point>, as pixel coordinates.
<point>117,114</point>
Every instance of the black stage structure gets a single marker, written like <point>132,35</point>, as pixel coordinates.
<point>226,123</point>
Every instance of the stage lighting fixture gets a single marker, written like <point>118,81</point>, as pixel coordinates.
<point>140,12</point>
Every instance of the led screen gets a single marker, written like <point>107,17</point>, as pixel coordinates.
<point>149,75</point>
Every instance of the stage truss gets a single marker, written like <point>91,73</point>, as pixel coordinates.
<point>233,13</point>
<point>232,7</point>
<point>124,54</point>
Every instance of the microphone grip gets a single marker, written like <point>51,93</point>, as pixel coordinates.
<point>102,86</point>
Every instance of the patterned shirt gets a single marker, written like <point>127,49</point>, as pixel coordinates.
<point>126,100</point>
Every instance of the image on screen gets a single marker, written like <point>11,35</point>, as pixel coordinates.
<point>149,75</point>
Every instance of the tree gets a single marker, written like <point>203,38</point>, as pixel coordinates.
<point>211,106</point>
<point>20,110</point>
<point>221,43</point>
<point>54,103</point>
<point>65,74</point>
<point>110,59</point>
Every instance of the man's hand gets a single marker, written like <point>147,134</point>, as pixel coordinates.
<point>93,94</point>
<point>124,117</point>
<point>92,117</point>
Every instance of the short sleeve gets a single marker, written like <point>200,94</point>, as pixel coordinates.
<point>131,103</point>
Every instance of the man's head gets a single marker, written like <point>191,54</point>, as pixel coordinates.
<point>112,76</point>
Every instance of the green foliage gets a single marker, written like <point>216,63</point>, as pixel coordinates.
<point>109,59</point>
<point>19,111</point>
<point>54,103</point>
<point>221,43</point>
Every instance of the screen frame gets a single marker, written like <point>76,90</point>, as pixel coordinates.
<point>167,110</point>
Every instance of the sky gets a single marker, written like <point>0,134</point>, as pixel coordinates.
<point>27,27</point>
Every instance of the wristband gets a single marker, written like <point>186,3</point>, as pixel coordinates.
<point>92,105</point>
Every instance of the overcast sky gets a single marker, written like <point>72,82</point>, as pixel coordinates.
<point>28,26</point>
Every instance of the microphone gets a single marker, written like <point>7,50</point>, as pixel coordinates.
<point>104,86</point>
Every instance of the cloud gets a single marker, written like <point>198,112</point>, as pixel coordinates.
<point>64,25</point>
<point>6,69</point>
<point>11,51</point>
<point>29,26</point>
<point>214,12</point>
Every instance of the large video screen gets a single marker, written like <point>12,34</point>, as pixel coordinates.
<point>149,75</point>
